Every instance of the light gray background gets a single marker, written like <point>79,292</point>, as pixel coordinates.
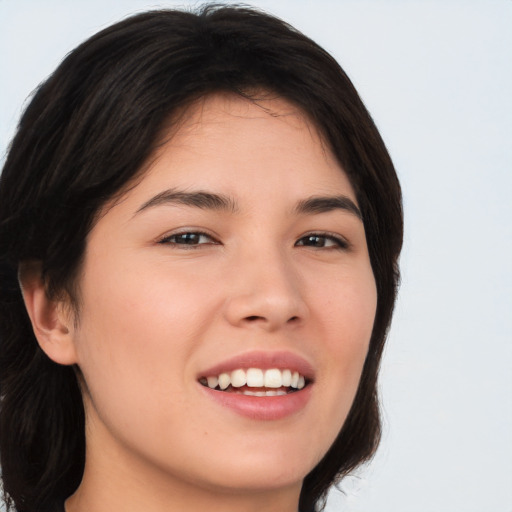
<point>437,77</point>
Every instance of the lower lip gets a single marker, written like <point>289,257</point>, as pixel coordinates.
<point>262,407</point>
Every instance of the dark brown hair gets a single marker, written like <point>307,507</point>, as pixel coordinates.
<point>86,134</point>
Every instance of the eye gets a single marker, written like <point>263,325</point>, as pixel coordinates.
<point>322,241</point>
<point>188,238</point>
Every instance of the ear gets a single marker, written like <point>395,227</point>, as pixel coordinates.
<point>52,321</point>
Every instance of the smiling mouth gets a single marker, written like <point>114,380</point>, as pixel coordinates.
<point>257,382</point>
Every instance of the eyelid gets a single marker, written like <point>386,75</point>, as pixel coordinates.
<point>341,242</point>
<point>165,239</point>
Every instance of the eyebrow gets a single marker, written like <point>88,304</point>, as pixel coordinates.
<point>323,204</point>
<point>199,199</point>
<point>221,202</point>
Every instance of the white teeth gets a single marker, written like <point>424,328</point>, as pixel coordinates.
<point>272,392</point>
<point>224,380</point>
<point>212,382</point>
<point>273,378</point>
<point>248,392</point>
<point>257,378</point>
<point>238,378</point>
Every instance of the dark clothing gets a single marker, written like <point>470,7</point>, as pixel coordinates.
<point>60,508</point>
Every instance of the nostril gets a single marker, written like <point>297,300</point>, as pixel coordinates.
<point>253,318</point>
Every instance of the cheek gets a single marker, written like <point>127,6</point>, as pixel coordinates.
<point>345,322</point>
<point>137,324</point>
<point>141,324</point>
<point>144,298</point>
<point>346,308</point>
<point>133,349</point>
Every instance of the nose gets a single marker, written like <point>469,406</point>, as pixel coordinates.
<point>265,292</point>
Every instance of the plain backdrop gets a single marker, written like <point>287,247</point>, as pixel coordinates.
<point>437,78</point>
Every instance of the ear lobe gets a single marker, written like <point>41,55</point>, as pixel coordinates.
<point>51,322</point>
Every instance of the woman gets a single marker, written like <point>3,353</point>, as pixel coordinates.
<point>205,225</point>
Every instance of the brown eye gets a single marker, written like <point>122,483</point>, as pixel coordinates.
<point>320,241</point>
<point>188,238</point>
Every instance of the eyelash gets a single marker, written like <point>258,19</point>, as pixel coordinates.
<point>168,239</point>
<point>339,243</point>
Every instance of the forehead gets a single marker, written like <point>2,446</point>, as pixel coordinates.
<point>226,132</point>
<point>228,111</point>
<point>230,144</point>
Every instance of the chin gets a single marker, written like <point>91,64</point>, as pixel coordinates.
<point>264,469</point>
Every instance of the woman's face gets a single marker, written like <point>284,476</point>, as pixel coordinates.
<point>240,251</point>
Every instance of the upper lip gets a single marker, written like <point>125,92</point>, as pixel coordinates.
<point>264,360</point>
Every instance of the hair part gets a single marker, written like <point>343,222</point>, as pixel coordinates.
<point>86,136</point>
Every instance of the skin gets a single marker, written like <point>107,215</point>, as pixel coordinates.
<point>155,313</point>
